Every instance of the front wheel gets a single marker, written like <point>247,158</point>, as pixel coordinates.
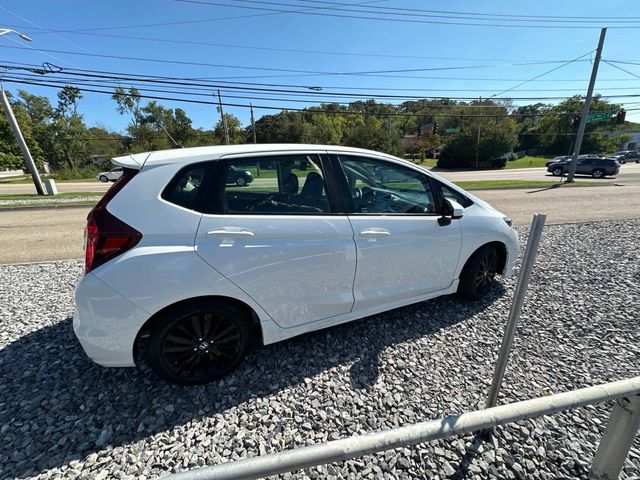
<point>103,178</point>
<point>598,173</point>
<point>198,342</point>
<point>479,273</point>
<point>557,171</point>
<point>241,181</point>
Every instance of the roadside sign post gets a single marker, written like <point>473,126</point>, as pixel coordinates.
<point>585,108</point>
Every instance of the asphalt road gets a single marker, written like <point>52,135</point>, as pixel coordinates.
<point>629,174</point>
<point>55,234</point>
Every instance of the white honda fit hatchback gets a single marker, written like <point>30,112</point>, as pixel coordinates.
<point>179,256</point>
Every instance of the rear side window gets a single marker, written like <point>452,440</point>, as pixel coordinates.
<point>185,189</point>
<point>289,184</point>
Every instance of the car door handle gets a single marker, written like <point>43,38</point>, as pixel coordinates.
<point>375,232</point>
<point>231,232</point>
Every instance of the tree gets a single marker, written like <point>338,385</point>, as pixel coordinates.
<point>236,133</point>
<point>556,133</point>
<point>497,136</point>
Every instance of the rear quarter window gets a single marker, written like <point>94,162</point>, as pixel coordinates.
<point>186,188</point>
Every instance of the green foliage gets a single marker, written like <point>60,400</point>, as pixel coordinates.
<point>497,136</point>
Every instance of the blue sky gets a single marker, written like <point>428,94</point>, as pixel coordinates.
<point>353,45</point>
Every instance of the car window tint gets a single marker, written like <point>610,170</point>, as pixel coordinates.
<point>291,184</point>
<point>377,186</point>
<point>183,189</point>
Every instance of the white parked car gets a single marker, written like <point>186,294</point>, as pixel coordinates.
<point>199,267</point>
<point>110,176</point>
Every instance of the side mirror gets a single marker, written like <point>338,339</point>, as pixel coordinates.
<point>455,210</point>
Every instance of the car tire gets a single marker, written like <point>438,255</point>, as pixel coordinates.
<point>622,161</point>
<point>103,178</point>
<point>598,173</point>
<point>198,342</point>
<point>241,181</point>
<point>557,172</point>
<point>479,273</point>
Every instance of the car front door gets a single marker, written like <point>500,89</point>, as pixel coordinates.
<point>278,238</point>
<point>403,250</point>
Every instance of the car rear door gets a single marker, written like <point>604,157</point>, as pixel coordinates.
<point>280,238</point>
<point>403,250</point>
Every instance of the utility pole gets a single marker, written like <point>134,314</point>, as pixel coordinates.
<point>253,124</point>
<point>478,142</point>
<point>15,128</point>
<point>585,108</point>
<point>224,120</point>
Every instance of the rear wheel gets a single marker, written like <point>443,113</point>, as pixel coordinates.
<point>241,181</point>
<point>557,171</point>
<point>598,173</point>
<point>198,342</point>
<point>479,273</point>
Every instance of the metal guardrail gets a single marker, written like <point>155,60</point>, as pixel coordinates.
<point>338,450</point>
<point>608,462</point>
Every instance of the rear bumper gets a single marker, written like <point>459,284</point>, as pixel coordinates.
<point>106,323</point>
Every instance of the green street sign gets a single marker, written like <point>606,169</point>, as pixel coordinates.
<point>452,130</point>
<point>599,117</point>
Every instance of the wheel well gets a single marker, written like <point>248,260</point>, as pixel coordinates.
<point>143,333</point>
<point>502,255</point>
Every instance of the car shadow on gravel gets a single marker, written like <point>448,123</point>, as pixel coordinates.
<point>57,406</point>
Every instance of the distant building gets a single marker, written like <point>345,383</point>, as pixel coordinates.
<point>632,144</point>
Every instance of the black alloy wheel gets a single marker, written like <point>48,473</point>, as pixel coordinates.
<point>241,181</point>
<point>479,273</point>
<point>598,173</point>
<point>557,171</point>
<point>198,343</point>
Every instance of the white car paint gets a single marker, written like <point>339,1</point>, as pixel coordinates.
<point>296,274</point>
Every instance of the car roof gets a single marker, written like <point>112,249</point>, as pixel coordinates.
<point>186,155</point>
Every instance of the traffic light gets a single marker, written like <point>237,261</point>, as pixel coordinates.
<point>576,121</point>
<point>435,128</point>
<point>419,130</point>
<point>620,116</point>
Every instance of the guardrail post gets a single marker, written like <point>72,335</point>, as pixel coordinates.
<point>615,444</point>
<point>535,233</point>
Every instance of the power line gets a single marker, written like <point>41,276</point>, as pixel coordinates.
<point>371,73</point>
<point>542,74</point>
<point>282,108</point>
<point>271,49</point>
<point>387,19</point>
<point>208,88</point>
<point>160,80</point>
<point>620,68</point>
<point>484,14</point>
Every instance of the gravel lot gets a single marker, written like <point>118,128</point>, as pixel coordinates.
<point>63,417</point>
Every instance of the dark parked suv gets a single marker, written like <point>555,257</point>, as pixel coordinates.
<point>588,165</point>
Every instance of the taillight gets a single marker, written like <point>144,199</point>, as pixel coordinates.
<point>107,236</point>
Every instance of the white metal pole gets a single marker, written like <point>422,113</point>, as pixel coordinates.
<point>15,128</point>
<point>535,233</point>
<point>615,445</point>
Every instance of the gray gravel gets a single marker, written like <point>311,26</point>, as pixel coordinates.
<point>63,417</point>
<point>50,201</point>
